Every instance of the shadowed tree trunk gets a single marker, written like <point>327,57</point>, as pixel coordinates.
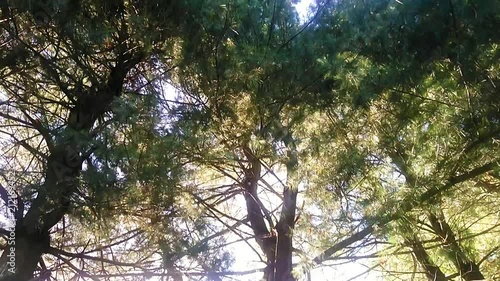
<point>467,268</point>
<point>53,198</point>
<point>274,241</point>
<point>286,222</point>
<point>257,215</point>
<point>432,271</point>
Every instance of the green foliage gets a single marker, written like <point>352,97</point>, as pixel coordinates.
<point>372,113</point>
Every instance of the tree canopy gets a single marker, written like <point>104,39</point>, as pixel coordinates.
<point>176,140</point>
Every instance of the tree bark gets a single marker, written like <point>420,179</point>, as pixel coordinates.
<point>285,234</point>
<point>30,244</point>
<point>275,243</point>
<point>406,206</point>
<point>467,268</point>
<point>264,235</point>
<point>62,175</point>
<point>432,271</point>
<point>286,223</point>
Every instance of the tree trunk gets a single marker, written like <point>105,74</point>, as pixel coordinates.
<point>29,246</point>
<point>432,271</point>
<point>265,237</point>
<point>62,175</point>
<point>276,244</point>
<point>467,268</point>
<point>285,234</point>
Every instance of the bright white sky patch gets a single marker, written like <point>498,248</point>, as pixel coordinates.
<point>303,8</point>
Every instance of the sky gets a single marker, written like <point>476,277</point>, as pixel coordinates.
<point>302,8</point>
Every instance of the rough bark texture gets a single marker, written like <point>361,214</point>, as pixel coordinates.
<point>286,223</point>
<point>283,271</point>
<point>265,237</point>
<point>275,242</point>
